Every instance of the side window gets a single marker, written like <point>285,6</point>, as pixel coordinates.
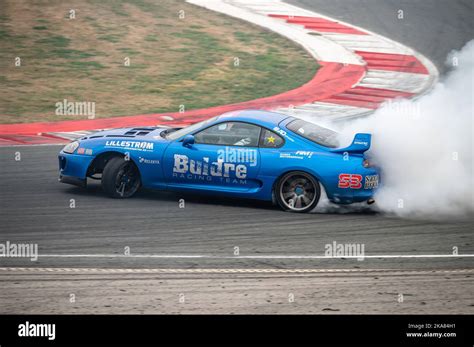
<point>268,139</point>
<point>230,134</point>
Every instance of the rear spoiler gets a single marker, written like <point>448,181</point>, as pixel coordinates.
<point>359,145</point>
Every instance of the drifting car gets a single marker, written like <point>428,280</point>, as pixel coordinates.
<point>249,154</point>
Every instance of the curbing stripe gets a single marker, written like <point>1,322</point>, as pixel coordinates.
<point>402,67</point>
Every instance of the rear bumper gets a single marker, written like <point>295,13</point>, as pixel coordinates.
<point>80,182</point>
<point>370,183</point>
<point>365,183</point>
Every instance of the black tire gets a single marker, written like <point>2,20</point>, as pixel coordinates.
<point>297,191</point>
<point>120,178</point>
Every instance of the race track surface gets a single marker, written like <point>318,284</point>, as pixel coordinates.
<point>36,208</point>
<point>93,235</point>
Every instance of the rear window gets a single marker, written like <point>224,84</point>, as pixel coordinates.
<point>322,136</point>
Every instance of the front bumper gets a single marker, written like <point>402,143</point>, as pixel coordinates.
<point>80,182</point>
<point>73,168</point>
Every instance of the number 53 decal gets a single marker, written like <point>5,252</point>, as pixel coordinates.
<point>350,181</point>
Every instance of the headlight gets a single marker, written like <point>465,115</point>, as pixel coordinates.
<point>71,147</point>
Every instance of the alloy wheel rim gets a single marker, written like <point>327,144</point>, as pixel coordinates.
<point>298,192</point>
<point>127,180</point>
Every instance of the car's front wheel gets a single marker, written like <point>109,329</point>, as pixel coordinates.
<point>120,178</point>
<point>297,191</point>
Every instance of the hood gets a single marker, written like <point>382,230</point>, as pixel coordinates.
<point>137,133</point>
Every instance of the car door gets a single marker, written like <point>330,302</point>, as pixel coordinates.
<point>223,157</point>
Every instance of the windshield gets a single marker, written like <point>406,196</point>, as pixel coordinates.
<point>188,130</point>
<point>322,136</point>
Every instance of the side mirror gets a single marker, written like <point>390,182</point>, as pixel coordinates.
<point>188,141</point>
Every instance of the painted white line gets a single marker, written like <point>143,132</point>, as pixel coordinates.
<point>227,271</point>
<point>199,256</point>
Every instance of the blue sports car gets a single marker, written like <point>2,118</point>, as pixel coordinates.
<point>249,154</point>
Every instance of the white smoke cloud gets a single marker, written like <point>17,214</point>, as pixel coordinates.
<point>425,146</point>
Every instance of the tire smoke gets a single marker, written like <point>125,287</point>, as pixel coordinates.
<point>424,147</point>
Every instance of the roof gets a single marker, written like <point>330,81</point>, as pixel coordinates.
<point>262,117</point>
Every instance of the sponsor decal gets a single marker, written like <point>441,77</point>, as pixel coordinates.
<point>361,143</point>
<point>297,155</point>
<point>283,133</point>
<point>352,181</point>
<point>290,156</point>
<point>307,154</point>
<point>205,170</point>
<point>371,181</point>
<point>148,161</point>
<point>133,145</point>
<point>82,150</point>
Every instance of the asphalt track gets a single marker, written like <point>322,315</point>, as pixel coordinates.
<point>35,208</point>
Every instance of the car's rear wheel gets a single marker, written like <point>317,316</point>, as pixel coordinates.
<point>120,178</point>
<point>297,191</point>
